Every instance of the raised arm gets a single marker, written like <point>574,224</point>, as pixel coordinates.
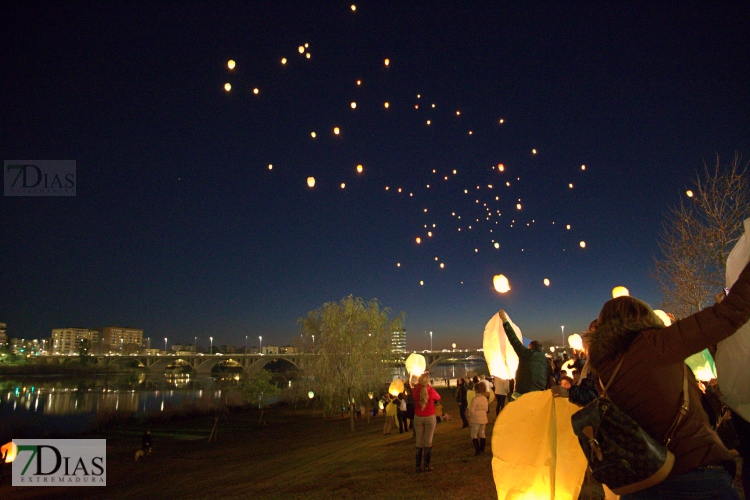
<point>511,334</point>
<point>707,327</point>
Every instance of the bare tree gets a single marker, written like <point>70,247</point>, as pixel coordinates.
<point>352,344</point>
<point>698,235</point>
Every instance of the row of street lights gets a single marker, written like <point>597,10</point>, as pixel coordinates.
<point>211,348</point>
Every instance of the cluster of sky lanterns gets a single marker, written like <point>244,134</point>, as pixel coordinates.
<point>489,213</point>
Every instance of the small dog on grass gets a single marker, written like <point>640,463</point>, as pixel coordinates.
<point>140,454</point>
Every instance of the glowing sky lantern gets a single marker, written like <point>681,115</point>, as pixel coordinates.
<point>533,151</point>
<point>663,317</point>
<point>429,233</point>
<point>256,91</point>
<point>418,240</point>
<point>343,185</point>
<point>415,364</point>
<point>428,122</point>
<point>567,227</point>
<point>354,7</point>
<point>336,130</point>
<point>270,166</point>
<point>301,49</point>
<point>283,60</point>
<point>353,105</point>
<point>231,64</point>
<point>582,244</point>
<point>359,82</point>
<point>387,62</point>
<point>386,105</point>
<point>421,283</point>
<point>570,185</point>
<point>620,291</point>
<point>518,206</point>
<point>501,167</point>
<point>313,135</point>
<point>501,284</point>
<point>576,342</point>
<point>689,193</point>
<point>583,167</point>
<point>501,121</point>
<point>360,168</point>
<point>307,55</point>
<point>311,181</point>
<point>546,281</point>
<point>502,360</point>
<point>442,266</point>
<point>497,245</point>
<point>310,394</point>
<point>11,449</point>
<point>227,87</point>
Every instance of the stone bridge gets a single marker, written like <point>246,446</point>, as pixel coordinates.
<point>202,364</point>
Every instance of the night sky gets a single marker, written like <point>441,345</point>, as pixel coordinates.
<point>181,228</point>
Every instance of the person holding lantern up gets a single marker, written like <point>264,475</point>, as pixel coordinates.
<point>424,420</point>
<point>533,368</point>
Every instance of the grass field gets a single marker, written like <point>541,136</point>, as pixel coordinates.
<point>295,455</point>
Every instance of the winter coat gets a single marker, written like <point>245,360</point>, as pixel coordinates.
<point>648,386</point>
<point>533,368</point>
<point>432,396</point>
<point>478,409</point>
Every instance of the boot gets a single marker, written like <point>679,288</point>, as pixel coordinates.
<point>482,443</point>
<point>476,447</point>
<point>427,457</point>
<point>419,460</point>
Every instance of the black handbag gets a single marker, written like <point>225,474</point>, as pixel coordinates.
<point>620,453</point>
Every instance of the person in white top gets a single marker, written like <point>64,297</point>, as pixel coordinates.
<point>502,387</point>
<point>477,414</point>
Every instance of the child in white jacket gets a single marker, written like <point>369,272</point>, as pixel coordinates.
<point>477,414</point>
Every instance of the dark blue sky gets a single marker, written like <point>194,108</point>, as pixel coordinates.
<point>180,228</point>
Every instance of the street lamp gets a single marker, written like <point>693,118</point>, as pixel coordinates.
<point>562,327</point>
<point>454,346</point>
<point>313,344</point>
<point>165,345</point>
<point>260,344</point>
<point>211,348</point>
<point>430,341</point>
<point>195,345</point>
<point>245,345</point>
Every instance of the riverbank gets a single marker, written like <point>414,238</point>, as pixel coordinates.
<point>293,454</point>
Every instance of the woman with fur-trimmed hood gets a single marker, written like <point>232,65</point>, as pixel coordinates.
<point>648,386</point>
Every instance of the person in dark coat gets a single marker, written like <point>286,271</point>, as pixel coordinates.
<point>462,401</point>
<point>534,369</point>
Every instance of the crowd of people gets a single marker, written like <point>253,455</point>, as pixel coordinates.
<point>642,360</point>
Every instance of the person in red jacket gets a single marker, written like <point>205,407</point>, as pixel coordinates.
<point>424,419</point>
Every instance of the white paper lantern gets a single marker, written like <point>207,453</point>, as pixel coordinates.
<point>502,360</point>
<point>663,317</point>
<point>620,291</point>
<point>416,364</point>
<point>576,342</point>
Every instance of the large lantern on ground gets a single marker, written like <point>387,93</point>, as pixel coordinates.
<point>396,387</point>
<point>416,364</point>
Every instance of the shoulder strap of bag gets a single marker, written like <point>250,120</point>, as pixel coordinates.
<point>683,409</point>
<point>617,369</point>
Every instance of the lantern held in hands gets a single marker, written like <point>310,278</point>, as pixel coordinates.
<point>396,387</point>
<point>502,360</point>
<point>576,342</point>
<point>416,364</point>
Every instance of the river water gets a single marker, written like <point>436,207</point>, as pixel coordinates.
<point>49,405</point>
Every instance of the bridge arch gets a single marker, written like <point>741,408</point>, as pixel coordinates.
<point>260,363</point>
